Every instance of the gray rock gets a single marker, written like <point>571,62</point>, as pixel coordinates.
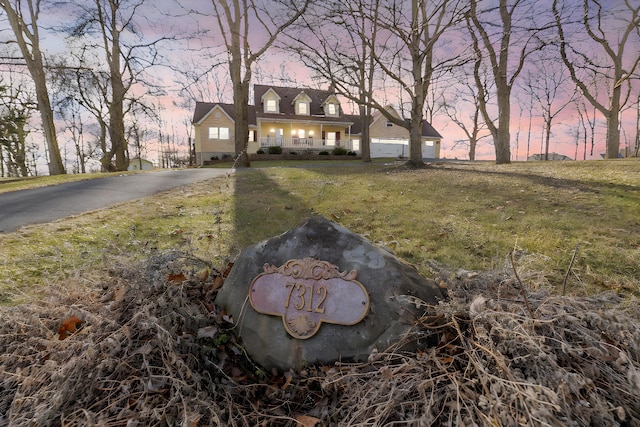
<point>397,295</point>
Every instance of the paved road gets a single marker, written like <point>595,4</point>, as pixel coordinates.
<point>48,204</point>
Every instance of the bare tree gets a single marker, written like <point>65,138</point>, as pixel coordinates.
<point>463,106</point>
<point>611,54</point>
<point>81,92</point>
<point>237,19</point>
<point>16,107</point>
<point>505,36</point>
<point>394,43</point>
<point>23,18</point>
<point>547,86</point>
<point>409,52</point>
<point>110,27</point>
<point>340,52</point>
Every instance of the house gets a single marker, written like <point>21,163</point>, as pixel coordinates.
<point>139,164</point>
<point>300,119</point>
<point>552,156</point>
<point>391,140</point>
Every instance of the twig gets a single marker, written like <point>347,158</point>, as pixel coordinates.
<point>521,286</point>
<point>566,276</point>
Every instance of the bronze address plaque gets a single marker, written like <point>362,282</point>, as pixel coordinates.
<point>306,292</point>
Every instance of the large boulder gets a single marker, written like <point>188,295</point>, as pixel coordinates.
<point>284,315</point>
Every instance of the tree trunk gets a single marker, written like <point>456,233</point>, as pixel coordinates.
<point>502,139</point>
<point>116,128</point>
<point>118,93</point>
<point>417,104</point>
<point>241,126</point>
<point>613,125</point>
<point>547,137</point>
<point>365,143</point>
<point>56,166</point>
<point>30,49</point>
<point>473,142</point>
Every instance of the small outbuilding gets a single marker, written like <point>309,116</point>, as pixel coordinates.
<point>139,164</point>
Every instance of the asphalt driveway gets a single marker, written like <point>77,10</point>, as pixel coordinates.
<point>46,204</point>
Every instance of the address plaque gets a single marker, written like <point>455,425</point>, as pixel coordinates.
<point>307,292</point>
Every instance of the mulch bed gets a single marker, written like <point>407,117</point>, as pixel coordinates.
<point>150,348</point>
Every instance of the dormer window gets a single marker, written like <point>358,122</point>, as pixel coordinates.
<point>331,106</point>
<point>271,106</point>
<point>303,108</point>
<point>302,104</point>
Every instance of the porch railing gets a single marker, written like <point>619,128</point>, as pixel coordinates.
<point>304,143</point>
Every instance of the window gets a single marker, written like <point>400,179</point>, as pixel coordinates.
<point>331,109</point>
<point>218,133</point>
<point>303,108</point>
<point>271,106</point>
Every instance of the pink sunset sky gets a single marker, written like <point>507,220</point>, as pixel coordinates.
<point>204,48</point>
<point>282,68</point>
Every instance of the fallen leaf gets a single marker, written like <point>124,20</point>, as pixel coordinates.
<point>119,293</point>
<point>204,275</point>
<point>227,270</point>
<point>227,317</point>
<point>207,332</point>
<point>69,326</point>
<point>176,278</point>
<point>307,421</point>
<point>287,381</point>
<point>217,282</point>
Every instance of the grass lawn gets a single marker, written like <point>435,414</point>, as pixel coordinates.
<point>464,215</point>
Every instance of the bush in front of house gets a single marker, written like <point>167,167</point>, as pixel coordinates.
<point>214,158</point>
<point>260,151</point>
<point>339,151</point>
<point>276,149</point>
<point>323,153</point>
<point>352,153</point>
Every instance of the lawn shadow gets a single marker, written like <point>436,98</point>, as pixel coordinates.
<point>262,209</point>
<point>549,181</point>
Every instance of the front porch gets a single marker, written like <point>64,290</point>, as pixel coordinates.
<point>314,144</point>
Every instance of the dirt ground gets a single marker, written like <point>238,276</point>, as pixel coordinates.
<point>149,347</point>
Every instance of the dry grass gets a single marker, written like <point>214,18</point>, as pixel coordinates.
<point>469,215</point>
<point>466,215</point>
<point>155,351</point>
<point>505,349</point>
<point>77,251</point>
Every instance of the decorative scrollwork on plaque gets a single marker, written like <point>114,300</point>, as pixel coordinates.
<point>310,268</point>
<point>302,326</point>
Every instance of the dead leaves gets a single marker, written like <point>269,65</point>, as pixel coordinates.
<point>307,421</point>
<point>176,278</point>
<point>68,326</point>
<point>203,276</point>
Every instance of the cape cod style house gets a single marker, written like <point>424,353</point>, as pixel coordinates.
<point>301,119</point>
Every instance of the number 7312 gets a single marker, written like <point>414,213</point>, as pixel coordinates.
<point>303,297</point>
